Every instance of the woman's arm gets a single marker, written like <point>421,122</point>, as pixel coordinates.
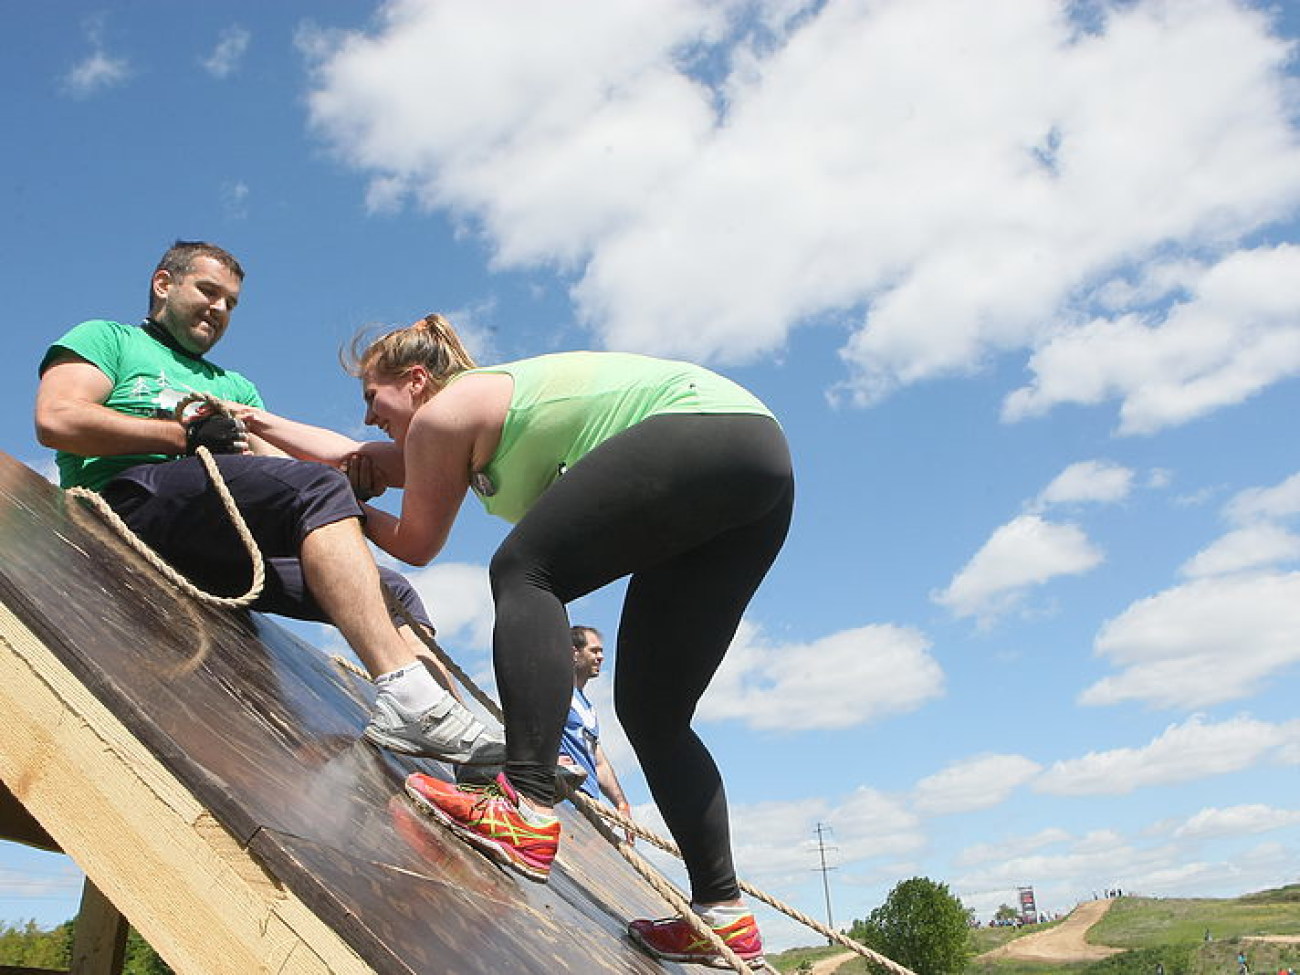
<point>371,465</point>
<point>437,458</point>
<point>446,435</point>
<point>300,440</point>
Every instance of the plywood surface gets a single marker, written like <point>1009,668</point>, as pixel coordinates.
<point>150,734</point>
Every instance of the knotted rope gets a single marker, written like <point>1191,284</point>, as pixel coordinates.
<point>236,519</point>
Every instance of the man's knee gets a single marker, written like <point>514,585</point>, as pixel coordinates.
<point>400,590</point>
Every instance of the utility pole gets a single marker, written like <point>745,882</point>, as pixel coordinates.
<point>826,886</point>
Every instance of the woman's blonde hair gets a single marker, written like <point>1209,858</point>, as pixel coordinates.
<point>431,342</point>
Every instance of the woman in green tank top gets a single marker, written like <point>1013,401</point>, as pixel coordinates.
<point>609,465</point>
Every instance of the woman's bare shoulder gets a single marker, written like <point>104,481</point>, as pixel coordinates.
<point>477,401</point>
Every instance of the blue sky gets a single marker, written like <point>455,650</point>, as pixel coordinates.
<point>1021,280</point>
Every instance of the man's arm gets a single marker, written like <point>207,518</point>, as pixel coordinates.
<point>608,782</point>
<point>71,416</point>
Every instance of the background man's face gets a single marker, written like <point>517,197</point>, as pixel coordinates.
<point>587,661</point>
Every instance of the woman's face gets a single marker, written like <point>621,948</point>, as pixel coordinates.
<point>390,403</point>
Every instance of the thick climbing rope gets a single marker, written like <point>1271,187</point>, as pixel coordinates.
<point>597,813</point>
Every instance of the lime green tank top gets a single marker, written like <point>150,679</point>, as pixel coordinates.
<point>565,405</point>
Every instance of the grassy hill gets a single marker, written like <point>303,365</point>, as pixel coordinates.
<point>1168,931</point>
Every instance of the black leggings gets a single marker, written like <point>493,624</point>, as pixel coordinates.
<point>695,509</point>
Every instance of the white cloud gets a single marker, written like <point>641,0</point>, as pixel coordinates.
<point>1017,846</point>
<point>98,70</point>
<point>1027,551</point>
<point>225,58</point>
<point>234,199</point>
<point>973,783</point>
<point>1266,504</point>
<point>712,179</point>
<point>1237,821</point>
<point>838,681</point>
<point>777,840</point>
<point>1259,540</point>
<point>1208,641</point>
<point>775,837</point>
<point>58,879</point>
<point>870,823</point>
<point>459,601</point>
<point>95,73</point>
<point>1237,334</point>
<point>1182,753</point>
<point>1091,480</point>
<point>1255,547</point>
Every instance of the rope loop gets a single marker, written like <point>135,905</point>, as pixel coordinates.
<point>171,575</point>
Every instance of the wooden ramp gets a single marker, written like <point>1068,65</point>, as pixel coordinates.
<point>205,769</point>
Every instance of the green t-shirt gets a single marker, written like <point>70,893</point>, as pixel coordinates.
<point>149,379</point>
<point>564,405</point>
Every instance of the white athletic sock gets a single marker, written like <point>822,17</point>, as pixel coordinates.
<point>412,688</point>
<point>533,817</point>
<point>721,915</point>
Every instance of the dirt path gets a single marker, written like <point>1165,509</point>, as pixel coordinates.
<point>828,965</point>
<point>1065,942</point>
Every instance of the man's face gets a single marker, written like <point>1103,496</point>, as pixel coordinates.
<point>587,661</point>
<point>195,307</point>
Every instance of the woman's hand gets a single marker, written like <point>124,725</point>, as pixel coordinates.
<point>366,477</point>
<point>250,416</point>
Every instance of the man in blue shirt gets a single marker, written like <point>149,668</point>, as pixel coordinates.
<point>580,746</point>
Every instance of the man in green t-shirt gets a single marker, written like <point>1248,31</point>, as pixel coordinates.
<point>106,403</point>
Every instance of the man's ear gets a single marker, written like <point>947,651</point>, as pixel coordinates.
<point>160,284</point>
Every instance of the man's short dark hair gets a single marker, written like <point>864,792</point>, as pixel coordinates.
<point>180,257</point>
<point>579,635</point>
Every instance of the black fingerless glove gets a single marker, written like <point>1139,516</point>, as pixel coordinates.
<point>220,433</point>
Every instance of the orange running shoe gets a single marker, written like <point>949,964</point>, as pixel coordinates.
<point>489,817</point>
<point>674,939</point>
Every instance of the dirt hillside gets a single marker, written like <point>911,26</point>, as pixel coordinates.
<point>1065,942</point>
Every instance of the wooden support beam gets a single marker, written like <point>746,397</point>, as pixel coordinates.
<point>140,835</point>
<point>99,939</point>
<point>20,826</point>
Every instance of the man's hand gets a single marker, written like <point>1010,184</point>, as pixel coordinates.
<point>625,811</point>
<point>220,433</point>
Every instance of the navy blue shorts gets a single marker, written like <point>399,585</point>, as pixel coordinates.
<point>175,509</point>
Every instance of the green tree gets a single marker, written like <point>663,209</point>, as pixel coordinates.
<point>30,946</point>
<point>141,959</point>
<point>1006,913</point>
<point>920,925</point>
